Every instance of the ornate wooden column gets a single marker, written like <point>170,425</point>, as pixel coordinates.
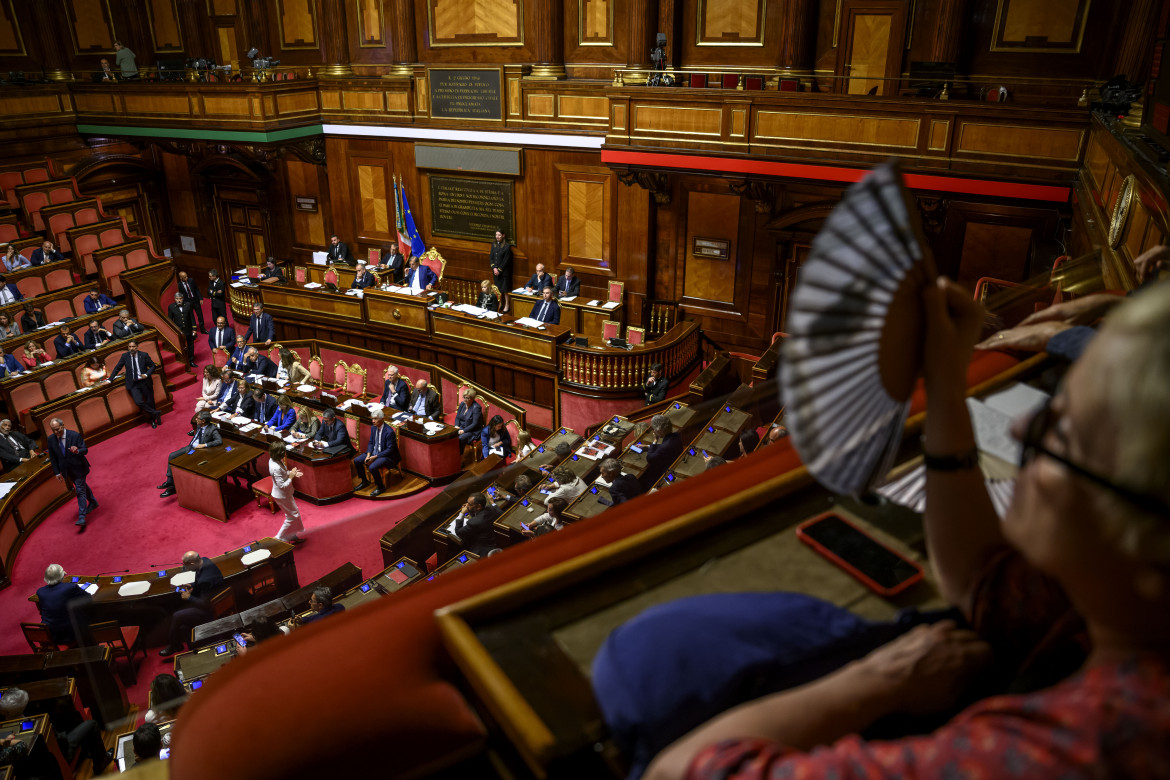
<point>643,22</point>
<point>1137,44</point>
<point>192,25</point>
<point>670,22</point>
<point>335,37</point>
<point>948,32</point>
<point>548,40</point>
<point>53,41</point>
<point>795,49</point>
<point>402,37</point>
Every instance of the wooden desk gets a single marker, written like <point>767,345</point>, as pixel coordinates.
<point>32,729</point>
<point>545,455</point>
<point>311,304</point>
<point>124,747</point>
<point>200,475</point>
<point>56,697</point>
<point>523,344</point>
<point>398,310</point>
<point>36,495</point>
<point>99,686</point>
<point>592,502</point>
<point>327,478</point>
<point>198,664</point>
<point>577,313</point>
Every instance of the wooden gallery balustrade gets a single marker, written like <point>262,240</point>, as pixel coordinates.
<point>619,370</point>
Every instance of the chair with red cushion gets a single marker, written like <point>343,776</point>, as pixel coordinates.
<point>123,642</point>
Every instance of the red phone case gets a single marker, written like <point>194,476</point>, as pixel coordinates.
<point>842,563</point>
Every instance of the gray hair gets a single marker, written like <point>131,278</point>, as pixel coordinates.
<point>661,424</point>
<point>54,573</point>
<point>57,420</point>
<point>13,702</point>
<point>610,466</point>
<point>377,414</point>
<point>205,416</point>
<point>124,313</point>
<point>324,594</point>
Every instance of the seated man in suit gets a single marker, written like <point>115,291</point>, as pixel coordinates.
<point>395,391</point>
<point>182,314</point>
<point>221,335</point>
<point>9,293</point>
<point>255,363</point>
<point>260,327</point>
<point>96,301</point>
<point>394,262</point>
<point>96,335</point>
<point>139,368</point>
<point>665,449</point>
<point>239,353</point>
<point>321,603</point>
<point>271,271</point>
<point>539,280</point>
<point>57,601</point>
<point>420,277</point>
<point>66,343</point>
<point>469,417</point>
<point>656,384</point>
<point>622,487</point>
<point>338,251</point>
<point>8,364</point>
<point>424,401</point>
<point>473,526</point>
<point>363,278</point>
<point>547,310</point>
<point>381,452</point>
<point>332,432</point>
<point>258,407</point>
<point>45,253</point>
<point>126,326</point>
<point>15,447</point>
<point>229,393</point>
<point>206,435</point>
<point>568,286</point>
<point>197,600</point>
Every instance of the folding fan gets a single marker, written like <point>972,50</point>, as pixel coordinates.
<point>909,490</point>
<point>854,324</point>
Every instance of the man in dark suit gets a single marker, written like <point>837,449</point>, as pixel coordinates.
<point>332,432</point>
<point>197,598</point>
<point>338,251</point>
<point>258,407</point>
<point>394,262</point>
<point>239,353</point>
<point>139,368</point>
<point>181,313</point>
<point>473,526</point>
<point>15,447</point>
<point>221,335</point>
<point>272,271</point>
<point>568,286</point>
<point>126,326</point>
<point>547,310</point>
<point>322,605</point>
<point>656,384</point>
<point>229,395</point>
<point>96,301</point>
<point>420,277</point>
<point>255,363</point>
<point>66,343</point>
<point>8,364</point>
<point>260,327</point>
<point>381,452</point>
<point>665,449</point>
<point>8,292</point>
<point>190,292</point>
<point>96,335</point>
<point>67,455</point>
<point>206,435</point>
<point>500,258</point>
<point>395,391</point>
<point>216,293</point>
<point>424,401</point>
<point>622,487</point>
<point>539,280</point>
<point>45,253</point>
<point>57,600</point>
<point>469,417</point>
<point>363,278</point>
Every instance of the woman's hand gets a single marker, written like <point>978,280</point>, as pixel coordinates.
<point>1082,311</point>
<point>1025,338</point>
<point>953,323</point>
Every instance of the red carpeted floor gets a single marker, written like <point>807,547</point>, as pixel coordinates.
<point>134,529</point>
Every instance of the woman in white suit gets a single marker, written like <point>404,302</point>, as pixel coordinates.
<point>282,492</point>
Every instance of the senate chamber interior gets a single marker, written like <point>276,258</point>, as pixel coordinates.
<point>363,364</point>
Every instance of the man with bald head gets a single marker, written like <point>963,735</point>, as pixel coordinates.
<point>424,401</point>
<point>197,600</point>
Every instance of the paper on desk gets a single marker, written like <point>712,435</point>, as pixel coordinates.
<point>569,298</point>
<point>374,406</point>
<point>305,388</point>
<point>312,285</point>
<point>320,258</point>
<point>240,271</point>
<point>240,420</point>
<point>993,431</point>
<point>530,322</point>
<point>240,284</point>
<point>133,588</point>
<point>91,588</point>
<point>291,440</point>
<point>6,488</point>
<point>593,303</point>
<point>520,291</point>
<point>612,305</point>
<point>1016,400</point>
<point>249,427</point>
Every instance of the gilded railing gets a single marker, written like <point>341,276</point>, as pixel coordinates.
<point>611,369</point>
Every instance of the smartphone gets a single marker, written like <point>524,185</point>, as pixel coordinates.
<point>365,587</point>
<point>221,649</point>
<point>27,725</point>
<point>525,526</point>
<point>240,639</point>
<point>871,563</point>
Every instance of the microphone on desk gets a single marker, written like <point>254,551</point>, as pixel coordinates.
<point>113,571</point>
<point>165,565</point>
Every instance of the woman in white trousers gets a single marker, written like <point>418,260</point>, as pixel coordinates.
<point>282,492</point>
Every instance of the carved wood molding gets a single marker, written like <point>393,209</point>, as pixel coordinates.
<point>933,212</point>
<point>808,213</point>
<point>656,183</point>
<point>762,193</point>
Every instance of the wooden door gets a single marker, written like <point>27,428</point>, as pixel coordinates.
<point>246,232</point>
<point>870,46</point>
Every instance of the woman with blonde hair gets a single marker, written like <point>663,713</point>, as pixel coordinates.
<point>34,355</point>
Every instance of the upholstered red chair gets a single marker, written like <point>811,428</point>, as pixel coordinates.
<point>375,256</point>
<point>122,641</point>
<point>730,80</point>
<point>92,414</point>
<point>757,82</point>
<point>434,261</point>
<point>614,292</point>
<point>698,80</point>
<point>635,336</point>
<point>340,373</point>
<point>300,274</point>
<point>274,353</point>
<point>610,329</point>
<point>220,357</point>
<point>8,233</point>
<point>331,276</point>
<point>253,271</point>
<point>60,383</point>
<point>355,381</point>
<point>316,370</point>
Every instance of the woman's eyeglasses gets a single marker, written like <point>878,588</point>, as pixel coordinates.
<point>1039,425</point>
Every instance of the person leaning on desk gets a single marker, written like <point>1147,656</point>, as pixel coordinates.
<point>547,310</point>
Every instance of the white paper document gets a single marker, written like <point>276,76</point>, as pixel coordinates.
<point>569,298</point>
<point>530,322</point>
<point>1016,400</point>
<point>993,431</point>
<point>593,303</point>
<point>312,285</point>
<point>6,488</point>
<point>320,258</point>
<point>612,305</point>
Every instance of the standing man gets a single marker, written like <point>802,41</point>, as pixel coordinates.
<point>424,401</point>
<point>338,251</point>
<point>381,452</point>
<point>181,314</point>
<point>139,368</point>
<point>124,59</point>
<point>394,262</point>
<point>260,326</point>
<point>126,326</point>
<point>207,435</point>
<point>500,258</point>
<point>215,294</point>
<point>15,447</point>
<point>67,455</point>
<point>568,286</point>
<point>197,596</point>
<point>192,295</point>
<point>547,310</point>
<point>221,335</point>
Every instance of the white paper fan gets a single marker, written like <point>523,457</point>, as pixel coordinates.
<point>854,322</point>
<point>909,490</point>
